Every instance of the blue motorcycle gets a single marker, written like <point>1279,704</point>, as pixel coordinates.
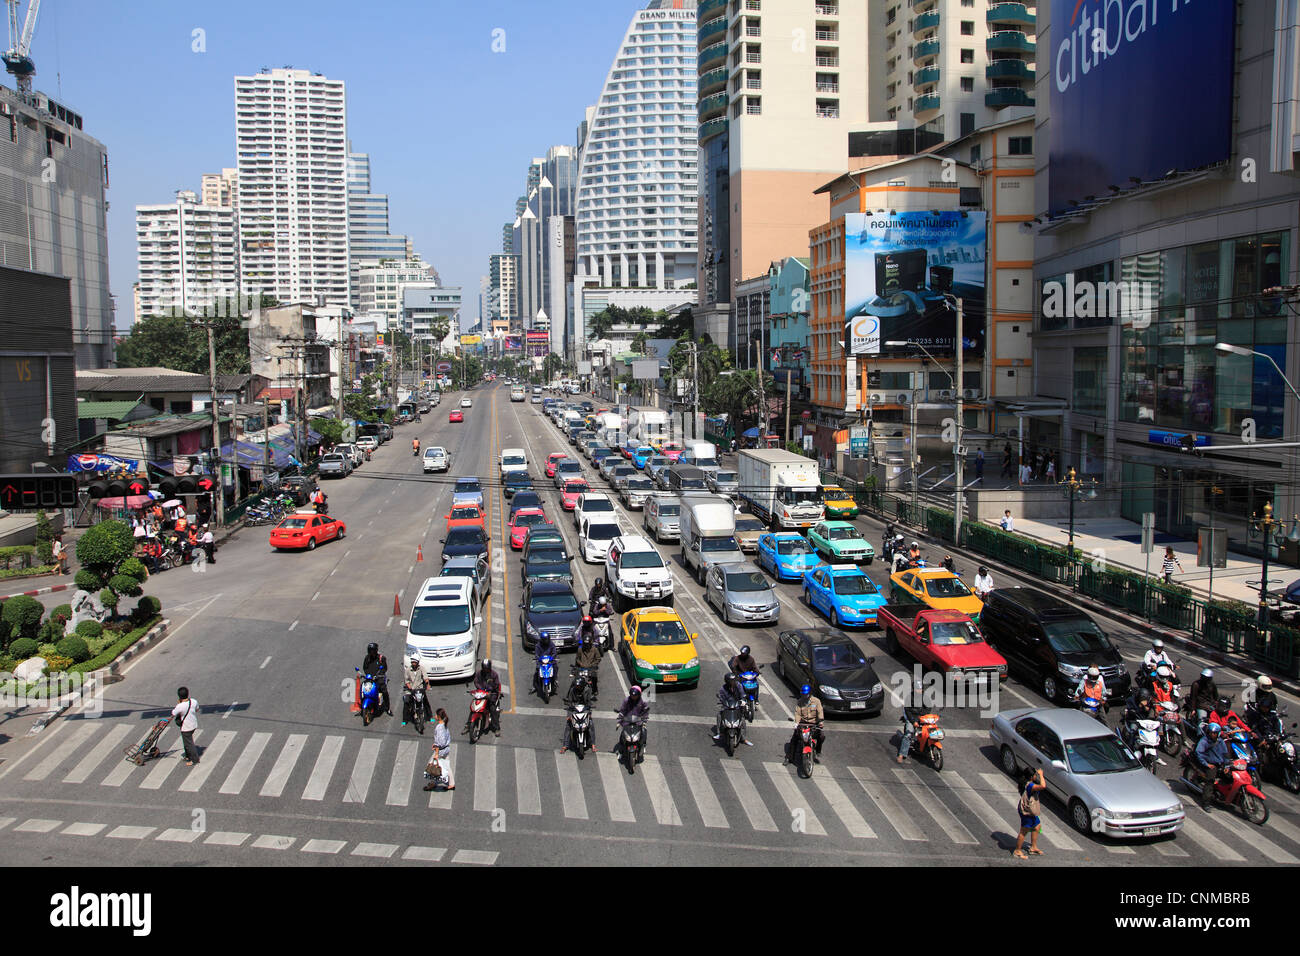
<point>1239,744</point>
<point>544,678</point>
<point>749,684</point>
<point>369,697</point>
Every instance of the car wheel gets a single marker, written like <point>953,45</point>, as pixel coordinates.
<point>1050,688</point>
<point>869,560</point>
<point>1079,816</point>
<point>343,532</point>
<point>311,544</point>
<point>835,616</point>
<point>1008,759</point>
<point>891,641</point>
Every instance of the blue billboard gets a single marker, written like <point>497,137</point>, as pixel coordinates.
<point>903,275</point>
<point>1139,88</point>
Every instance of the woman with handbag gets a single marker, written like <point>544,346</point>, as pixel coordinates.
<point>440,762</point>
<point>1032,785</point>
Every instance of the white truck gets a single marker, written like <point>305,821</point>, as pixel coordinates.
<point>609,429</point>
<point>780,487</point>
<point>708,533</point>
<point>647,425</point>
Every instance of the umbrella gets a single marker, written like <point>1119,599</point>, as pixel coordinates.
<point>171,503</point>
<point>750,433</point>
<point>130,501</point>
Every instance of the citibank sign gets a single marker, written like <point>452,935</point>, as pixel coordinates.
<point>1089,41</point>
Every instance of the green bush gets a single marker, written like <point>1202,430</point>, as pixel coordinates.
<point>56,663</point>
<point>89,630</point>
<point>132,568</point>
<point>87,580</point>
<point>23,648</point>
<point>47,647</point>
<point>74,646</point>
<point>109,653</point>
<point>44,539</point>
<point>125,585</point>
<point>146,609</point>
<point>109,598</point>
<point>23,615</point>
<point>22,553</point>
<point>51,631</point>
<point>61,612</point>
<point>104,546</point>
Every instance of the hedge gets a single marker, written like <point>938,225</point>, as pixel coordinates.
<point>110,653</point>
<point>23,552</point>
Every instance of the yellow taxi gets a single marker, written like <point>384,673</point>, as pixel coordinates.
<point>656,646</point>
<point>839,503</point>
<point>936,588</point>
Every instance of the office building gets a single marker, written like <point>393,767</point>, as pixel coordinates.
<point>221,190</point>
<point>185,256</point>
<point>379,284</point>
<point>369,241</point>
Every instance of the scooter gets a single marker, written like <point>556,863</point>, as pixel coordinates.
<point>1277,752</point>
<point>749,684</point>
<point>1239,744</point>
<point>544,678</point>
<point>1091,706</point>
<point>1142,736</point>
<point>805,746</point>
<point>927,744</point>
<point>1232,788</point>
<point>580,727</point>
<point>479,716</point>
<point>369,697</point>
<point>580,682</point>
<point>1171,728</point>
<point>600,616</point>
<point>417,708</point>
<point>731,724</point>
<point>631,738</point>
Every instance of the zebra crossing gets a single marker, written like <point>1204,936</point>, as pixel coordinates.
<point>851,806</point>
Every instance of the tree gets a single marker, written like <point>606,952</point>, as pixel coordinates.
<point>21,616</point>
<point>104,546</point>
<point>178,342</point>
<point>640,343</point>
<point>736,396</point>
<point>331,429</point>
<point>552,365</point>
<point>677,324</point>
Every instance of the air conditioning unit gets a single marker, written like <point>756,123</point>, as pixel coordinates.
<point>970,393</point>
<point>877,398</point>
<point>904,398</point>
<point>946,395</point>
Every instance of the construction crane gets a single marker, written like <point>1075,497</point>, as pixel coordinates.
<point>16,58</point>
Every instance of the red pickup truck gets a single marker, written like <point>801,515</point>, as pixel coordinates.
<point>947,641</point>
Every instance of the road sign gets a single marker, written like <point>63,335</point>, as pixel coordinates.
<point>443,367</point>
<point>1212,548</point>
<point>19,492</point>
<point>859,441</point>
<point>1148,532</point>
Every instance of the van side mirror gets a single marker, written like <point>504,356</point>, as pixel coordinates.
<point>1058,764</point>
<point>478,620</point>
<point>405,623</point>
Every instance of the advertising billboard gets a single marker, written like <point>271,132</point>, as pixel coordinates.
<point>902,273</point>
<point>513,343</point>
<point>1138,89</point>
<point>471,340</point>
<point>535,338</point>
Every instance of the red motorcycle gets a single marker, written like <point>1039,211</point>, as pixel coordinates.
<point>1232,788</point>
<point>805,745</point>
<point>480,716</point>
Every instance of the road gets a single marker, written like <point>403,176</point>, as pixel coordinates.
<point>267,642</point>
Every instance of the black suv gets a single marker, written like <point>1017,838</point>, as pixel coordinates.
<point>1050,642</point>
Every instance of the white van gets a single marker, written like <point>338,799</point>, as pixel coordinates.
<point>512,460</point>
<point>445,628</point>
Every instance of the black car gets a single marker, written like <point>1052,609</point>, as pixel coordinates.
<point>547,562</point>
<point>1050,642</point>
<point>587,407</point>
<point>525,499</point>
<point>549,606</point>
<point>464,539</point>
<point>543,536</point>
<point>516,482</point>
<point>841,677</point>
<point>299,487</point>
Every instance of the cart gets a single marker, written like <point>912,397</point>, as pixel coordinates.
<point>147,749</point>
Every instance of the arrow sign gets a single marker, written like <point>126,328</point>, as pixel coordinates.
<point>206,483</point>
<point>8,491</point>
<point>136,488</point>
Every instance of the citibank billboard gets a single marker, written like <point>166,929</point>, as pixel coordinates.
<point>1139,88</point>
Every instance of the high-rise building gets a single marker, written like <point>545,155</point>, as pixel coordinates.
<point>636,201</point>
<point>221,190</point>
<point>53,179</point>
<point>185,254</point>
<point>369,241</point>
<point>379,284</point>
<point>556,192</point>
<point>503,292</point>
<point>528,256</point>
<point>291,142</point>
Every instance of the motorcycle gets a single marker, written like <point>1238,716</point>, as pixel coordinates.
<point>600,616</point>
<point>480,717</point>
<point>927,744</point>
<point>631,740</point>
<point>1171,728</point>
<point>580,727</point>
<point>1142,736</point>
<point>1239,744</point>
<point>731,724</point>
<point>369,697</point>
<point>1232,788</point>
<point>544,677</point>
<point>580,681</point>
<point>417,708</point>
<point>805,748</point>
<point>749,684</point>
<point>323,507</point>
<point>1091,706</point>
<point>1277,752</point>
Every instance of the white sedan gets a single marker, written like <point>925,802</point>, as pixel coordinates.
<point>466,403</point>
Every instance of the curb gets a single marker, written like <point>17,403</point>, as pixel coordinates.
<point>49,590</point>
<point>150,637</point>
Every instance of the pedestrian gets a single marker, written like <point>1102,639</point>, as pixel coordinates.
<point>186,714</point>
<point>60,555</point>
<point>1171,562</point>
<point>1031,783</point>
<point>209,544</point>
<point>1026,472</point>
<point>1006,462</point>
<point>1051,467</point>
<point>442,750</point>
<point>1007,523</point>
<point>979,465</point>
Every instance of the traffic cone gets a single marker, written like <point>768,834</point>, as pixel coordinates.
<point>356,696</point>
<point>397,606</point>
<point>419,553</point>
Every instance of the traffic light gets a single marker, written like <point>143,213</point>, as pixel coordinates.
<point>168,487</point>
<point>118,487</point>
<point>50,491</point>
<point>206,483</point>
<point>187,485</point>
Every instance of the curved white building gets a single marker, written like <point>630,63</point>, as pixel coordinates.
<point>636,211</point>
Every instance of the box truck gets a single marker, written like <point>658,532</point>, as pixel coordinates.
<point>782,488</point>
<point>707,526</point>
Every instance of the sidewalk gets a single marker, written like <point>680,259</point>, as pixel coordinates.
<point>1119,542</point>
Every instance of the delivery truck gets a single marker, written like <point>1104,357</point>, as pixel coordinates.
<point>707,526</point>
<point>780,487</point>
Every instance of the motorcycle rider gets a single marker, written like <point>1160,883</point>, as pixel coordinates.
<point>415,446</point>
<point>1265,706</point>
<point>743,661</point>
<point>487,679</point>
<point>914,555</point>
<point>808,711</point>
<point>376,665</point>
<point>1203,695</point>
<point>1155,657</point>
<point>1223,712</point>
<point>1092,685</point>
<point>1209,756</point>
<point>578,692</point>
<point>413,676</point>
<point>731,694</point>
<point>911,713</point>
<point>545,647</point>
<point>1141,705</point>
<point>634,706</point>
<point>948,564</point>
<point>983,583</point>
<point>588,656</point>
<point>899,562</point>
<point>600,607</point>
<point>1162,688</point>
<point>599,589</point>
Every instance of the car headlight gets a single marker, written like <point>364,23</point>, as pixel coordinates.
<point>1002,668</point>
<point>529,629</point>
<point>1070,671</point>
<point>465,648</point>
<point>644,665</point>
<point>849,611</point>
<point>830,693</point>
<point>877,689</point>
<point>412,651</point>
<point>1119,815</point>
<point>1177,808</point>
<point>693,662</point>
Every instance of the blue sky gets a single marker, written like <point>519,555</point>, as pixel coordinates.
<point>450,125</point>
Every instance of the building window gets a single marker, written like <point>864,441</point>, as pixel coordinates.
<point>975,154</point>
<point>1020,145</point>
<point>968,56</point>
<point>1089,394</point>
<point>968,84</point>
<point>967,124</point>
<point>968,28</point>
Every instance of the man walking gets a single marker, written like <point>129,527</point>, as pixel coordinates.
<point>186,715</point>
<point>209,544</point>
<point>979,465</point>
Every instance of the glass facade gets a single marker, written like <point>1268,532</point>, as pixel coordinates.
<point>1089,394</point>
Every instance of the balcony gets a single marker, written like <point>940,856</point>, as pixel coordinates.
<point>828,87</point>
<point>712,128</point>
<point>707,7</point>
<point>925,106</point>
<point>1009,41</point>
<point>1007,96</point>
<point>926,21</point>
<point>827,36</point>
<point>715,80</point>
<point>712,31</point>
<point>924,50</point>
<point>711,106</point>
<point>1009,70</point>
<point>920,6</point>
<point>1011,14</point>
<point>824,60</point>
<point>925,77</point>
<point>828,10</point>
<point>712,57</point>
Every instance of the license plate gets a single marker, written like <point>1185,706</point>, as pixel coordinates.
<point>857,705</point>
<point>1151,831</point>
<point>670,678</point>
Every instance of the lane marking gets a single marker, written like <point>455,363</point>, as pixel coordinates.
<point>293,625</point>
<point>230,710</point>
<point>319,780</point>
<point>264,663</point>
<point>706,801</point>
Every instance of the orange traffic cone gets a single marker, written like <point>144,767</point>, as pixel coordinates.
<point>397,606</point>
<point>356,698</point>
<point>419,553</point>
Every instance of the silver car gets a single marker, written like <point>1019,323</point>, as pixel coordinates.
<point>566,469</point>
<point>656,464</point>
<point>621,475</point>
<point>334,465</point>
<point>742,594</point>
<point>724,483</point>
<point>662,518</point>
<point>636,490</point>
<point>748,530</point>
<point>353,453</point>
<point>609,463</point>
<point>1104,787</point>
<point>476,567</point>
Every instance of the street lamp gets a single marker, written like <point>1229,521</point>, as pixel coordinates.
<point>1271,530</point>
<point>1075,489</point>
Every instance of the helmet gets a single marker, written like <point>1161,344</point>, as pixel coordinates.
<point>487,665</point>
<point>1207,674</point>
<point>1157,645</point>
<point>586,619</point>
<point>916,545</point>
<point>744,652</point>
<point>635,691</point>
<point>1093,671</point>
<point>1163,672</point>
<point>1212,728</point>
<point>1265,682</point>
<point>1144,696</point>
<point>1222,706</point>
<point>805,691</point>
<point>414,660</point>
<point>372,648</point>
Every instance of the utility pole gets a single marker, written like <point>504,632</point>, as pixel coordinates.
<point>916,458</point>
<point>959,451</point>
<point>342,369</point>
<point>789,386</point>
<point>266,437</point>
<point>219,496</point>
<point>695,388</point>
<point>762,398</point>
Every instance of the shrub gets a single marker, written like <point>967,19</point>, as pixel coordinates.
<point>109,598</point>
<point>124,584</point>
<point>149,605</point>
<point>89,630</point>
<point>87,580</point>
<point>105,545</point>
<point>133,568</point>
<point>51,632</point>
<point>61,613</point>
<point>47,647</point>
<point>21,553</point>
<point>56,663</point>
<point>23,615</point>
<point>23,648</point>
<point>74,646</point>
<point>44,539</point>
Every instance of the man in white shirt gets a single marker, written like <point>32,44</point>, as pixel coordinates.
<point>983,583</point>
<point>209,544</point>
<point>1007,523</point>
<point>186,715</point>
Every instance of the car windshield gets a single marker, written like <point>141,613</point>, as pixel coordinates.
<point>793,547</point>
<point>644,452</point>
<point>574,487</point>
<point>662,632</point>
<point>834,657</point>
<point>854,584</point>
<point>433,453</point>
<point>1071,637</point>
<point>658,461</point>
<point>458,513</point>
<point>329,458</point>
<point>465,535</point>
<point>552,603</point>
<point>797,496</point>
<point>514,460</point>
<point>548,539</point>
<point>461,571</point>
<point>602,532</point>
<point>597,504</point>
<point>438,620</point>
<point>1101,754</point>
<point>294,523</point>
<point>668,511</point>
<point>642,559</point>
<point>842,534</point>
<point>946,588</point>
<point>520,479</point>
<point>726,476</point>
<point>690,483</point>
<point>747,581</point>
<point>639,484</point>
<point>567,465</point>
<point>955,632</point>
<point>705,462</point>
<point>623,471</point>
<point>547,554</point>
<point>727,543</point>
<point>467,484</point>
<point>528,520</point>
<point>831,493</point>
<point>749,524</point>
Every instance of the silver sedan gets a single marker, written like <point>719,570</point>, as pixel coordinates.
<point>742,594</point>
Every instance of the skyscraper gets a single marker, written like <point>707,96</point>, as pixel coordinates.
<point>368,238</point>
<point>291,144</point>
<point>221,190</point>
<point>185,253</point>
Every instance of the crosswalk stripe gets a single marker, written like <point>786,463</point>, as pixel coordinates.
<point>794,801</point>
<point>660,796</point>
<point>82,829</point>
<point>362,772</point>
<point>1287,830</point>
<point>1168,848</point>
<point>84,730</point>
<point>616,798</point>
<point>941,815</point>
<point>426,854</point>
<point>5,821</point>
<point>284,764</point>
<point>244,764</point>
<point>1193,831</point>
<point>323,846</point>
<point>129,833</point>
<point>36,825</point>
<point>381,851</point>
<point>706,801</point>
<point>117,776</point>
<point>227,838</point>
<point>108,745</point>
<point>481,857</point>
<point>319,780</point>
<point>575,804</point>
<point>208,761</point>
<point>527,790</point>
<point>485,779</point>
<point>399,785</point>
<point>179,835</point>
<point>750,801</point>
<point>1249,833</point>
<point>977,805</point>
<point>848,813</point>
<point>269,841</point>
<point>1053,835</point>
<point>161,771</point>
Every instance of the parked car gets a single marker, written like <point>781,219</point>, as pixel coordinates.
<point>842,677</point>
<point>741,594</point>
<point>299,487</point>
<point>368,443</point>
<point>334,465</point>
<point>354,454</point>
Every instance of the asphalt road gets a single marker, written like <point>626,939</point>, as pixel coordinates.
<point>267,642</point>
